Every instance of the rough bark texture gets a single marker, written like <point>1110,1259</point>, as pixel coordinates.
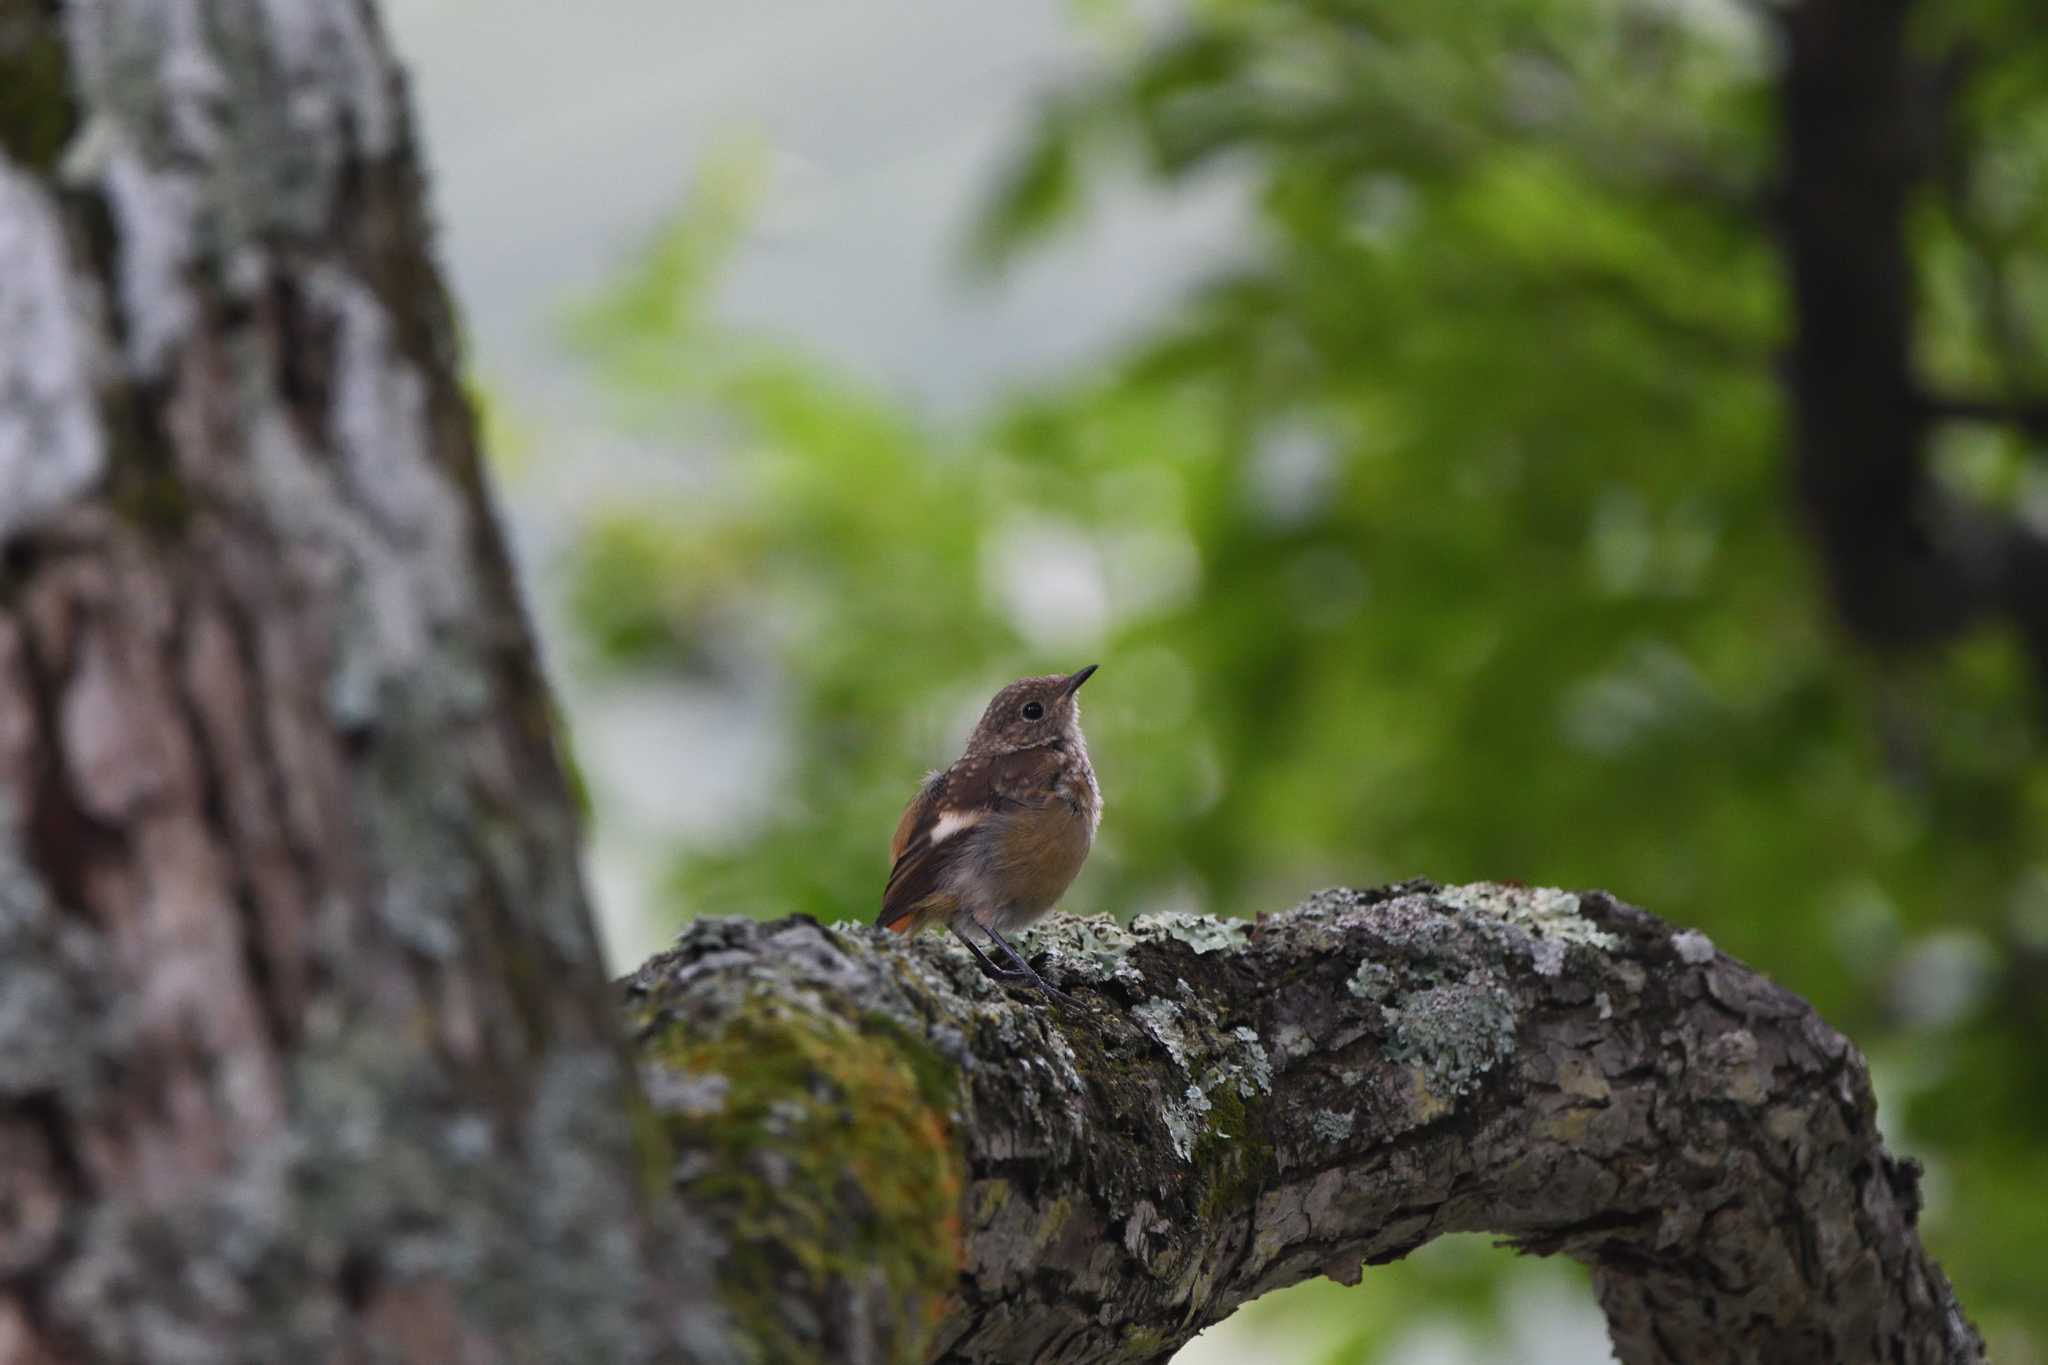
<point>1242,1106</point>
<point>304,1044</point>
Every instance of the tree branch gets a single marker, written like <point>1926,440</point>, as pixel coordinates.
<point>2027,416</point>
<point>909,1162</point>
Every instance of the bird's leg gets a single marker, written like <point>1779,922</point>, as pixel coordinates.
<point>1000,973</point>
<point>1026,969</point>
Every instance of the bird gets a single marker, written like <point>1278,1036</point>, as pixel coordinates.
<point>991,843</point>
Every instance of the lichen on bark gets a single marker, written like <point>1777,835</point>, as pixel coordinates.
<point>308,1046</point>
<point>819,1135</point>
<point>52,444</point>
<point>1241,1105</point>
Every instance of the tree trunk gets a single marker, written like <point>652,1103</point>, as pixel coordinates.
<point>1907,563</point>
<point>304,1049</point>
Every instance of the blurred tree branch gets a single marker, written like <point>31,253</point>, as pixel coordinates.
<point>2029,416</point>
<point>907,1162</point>
<point>1905,564</point>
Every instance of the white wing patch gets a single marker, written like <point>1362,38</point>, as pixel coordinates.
<point>952,822</point>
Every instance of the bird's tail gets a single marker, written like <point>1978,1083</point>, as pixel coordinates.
<point>908,919</point>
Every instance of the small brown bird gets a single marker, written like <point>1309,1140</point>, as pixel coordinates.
<point>995,839</point>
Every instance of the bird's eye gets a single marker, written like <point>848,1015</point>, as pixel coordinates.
<point>1033,711</point>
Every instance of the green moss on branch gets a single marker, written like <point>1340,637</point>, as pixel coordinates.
<point>826,1148</point>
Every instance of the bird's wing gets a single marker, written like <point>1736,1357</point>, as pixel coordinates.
<point>946,817</point>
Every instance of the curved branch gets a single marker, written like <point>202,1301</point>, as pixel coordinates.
<point>907,1161</point>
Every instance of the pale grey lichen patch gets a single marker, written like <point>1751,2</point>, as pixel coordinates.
<point>820,959</point>
<point>153,216</point>
<point>381,429</point>
<point>382,493</point>
<point>385,532</point>
<point>52,447</point>
<point>1092,947</point>
<point>1332,900</point>
<point>1203,933</point>
<point>573,1292</point>
<point>469,1137</point>
<point>1216,1062</point>
<point>1455,1033</point>
<point>672,1090</point>
<point>330,48</point>
<point>1551,918</point>
<point>1331,1126</point>
<point>1413,926</point>
<point>545,1249</point>
<point>1292,1041</point>
<point>1372,981</point>
<point>1144,1222</point>
<point>385,522</point>
<point>196,1261</point>
<point>1185,1121</point>
<point>1161,1019</point>
<point>419,827</point>
<point>1249,1073</point>
<point>1257,1072</point>
<point>200,162</point>
<point>1180,1130</point>
<point>951,1044</point>
<point>1693,947</point>
<point>1066,1067</point>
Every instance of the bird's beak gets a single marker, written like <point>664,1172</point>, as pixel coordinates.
<point>1074,682</point>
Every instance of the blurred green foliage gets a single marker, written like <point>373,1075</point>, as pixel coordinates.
<point>1446,532</point>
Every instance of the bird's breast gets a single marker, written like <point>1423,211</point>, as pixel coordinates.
<point>1038,852</point>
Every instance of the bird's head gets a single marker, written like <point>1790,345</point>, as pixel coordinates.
<point>1031,712</point>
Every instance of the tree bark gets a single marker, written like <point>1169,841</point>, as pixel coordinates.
<point>1242,1106</point>
<point>304,1048</point>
